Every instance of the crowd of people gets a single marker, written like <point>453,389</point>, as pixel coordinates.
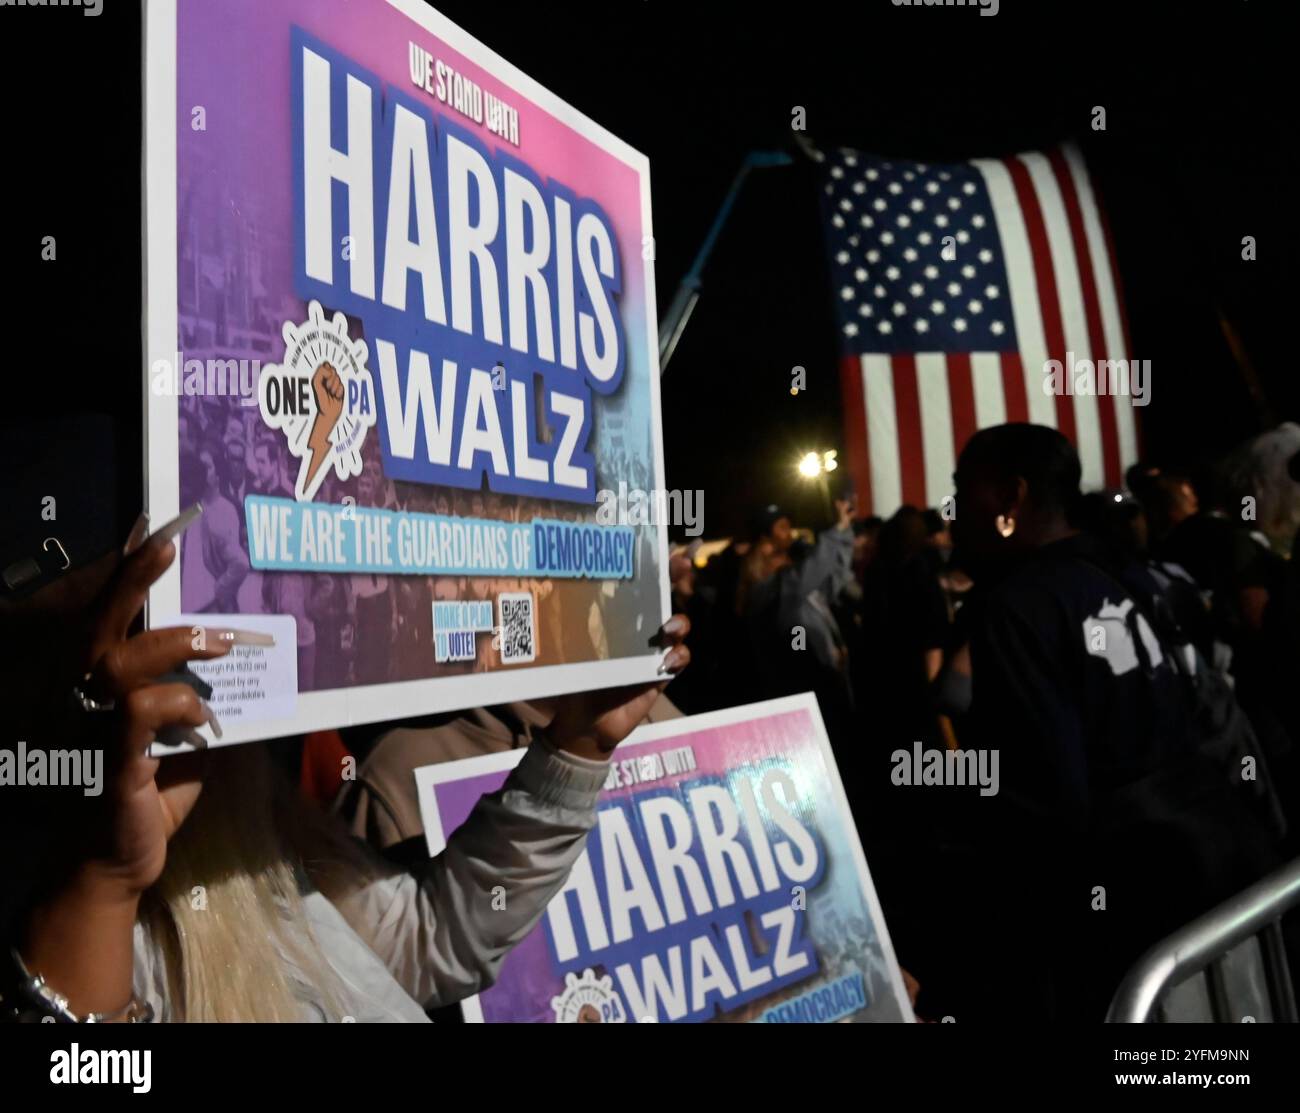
<point>1130,657</point>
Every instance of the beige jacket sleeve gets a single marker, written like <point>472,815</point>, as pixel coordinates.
<point>436,928</point>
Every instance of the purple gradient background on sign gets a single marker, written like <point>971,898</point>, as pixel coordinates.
<point>245,44</point>
<point>528,979</point>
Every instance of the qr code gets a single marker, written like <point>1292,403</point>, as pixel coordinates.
<point>518,640</point>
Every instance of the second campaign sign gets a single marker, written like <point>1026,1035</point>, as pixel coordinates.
<point>724,881</point>
<point>402,349</point>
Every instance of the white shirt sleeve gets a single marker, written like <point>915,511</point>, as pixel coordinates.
<point>436,928</point>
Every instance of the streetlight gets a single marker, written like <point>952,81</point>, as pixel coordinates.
<point>817,466</point>
<point>814,464</point>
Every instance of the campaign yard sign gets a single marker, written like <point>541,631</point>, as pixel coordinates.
<point>401,346</point>
<point>724,881</point>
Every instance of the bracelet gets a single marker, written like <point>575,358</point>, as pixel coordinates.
<point>35,1002</point>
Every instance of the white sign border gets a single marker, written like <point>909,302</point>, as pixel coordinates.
<point>404,699</point>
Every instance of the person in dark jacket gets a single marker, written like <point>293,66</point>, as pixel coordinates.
<point>1109,828</point>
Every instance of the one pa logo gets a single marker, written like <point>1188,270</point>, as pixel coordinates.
<point>322,398</point>
<point>588,1000</point>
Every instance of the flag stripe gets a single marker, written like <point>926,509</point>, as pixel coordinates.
<point>1102,405</point>
<point>911,444</point>
<point>882,434</point>
<point>1013,388</point>
<point>936,424</point>
<point>1049,304</point>
<point>1032,354</point>
<point>1108,307</point>
<point>961,391</point>
<point>855,430</point>
<point>1074,329</point>
<point>1118,281</point>
<point>993,383</point>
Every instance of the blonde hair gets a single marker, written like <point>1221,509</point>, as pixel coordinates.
<point>227,914</point>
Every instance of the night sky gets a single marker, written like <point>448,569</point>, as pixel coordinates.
<point>1198,149</point>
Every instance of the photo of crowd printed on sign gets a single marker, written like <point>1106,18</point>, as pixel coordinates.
<point>402,349</point>
<point>724,881</point>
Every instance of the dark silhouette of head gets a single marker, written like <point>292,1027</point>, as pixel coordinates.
<point>1017,485</point>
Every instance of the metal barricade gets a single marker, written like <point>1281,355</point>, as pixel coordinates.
<point>1201,947</point>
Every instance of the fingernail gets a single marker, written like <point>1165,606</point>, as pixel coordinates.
<point>212,719</point>
<point>241,637</point>
<point>173,737</point>
<point>137,535</point>
<point>671,663</point>
<point>673,625</point>
<point>179,524</point>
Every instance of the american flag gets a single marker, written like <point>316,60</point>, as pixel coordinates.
<point>955,283</point>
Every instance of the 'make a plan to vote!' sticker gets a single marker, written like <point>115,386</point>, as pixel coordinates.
<point>322,398</point>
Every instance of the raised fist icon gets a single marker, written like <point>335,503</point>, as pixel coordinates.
<point>327,389</point>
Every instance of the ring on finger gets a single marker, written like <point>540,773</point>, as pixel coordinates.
<point>87,702</point>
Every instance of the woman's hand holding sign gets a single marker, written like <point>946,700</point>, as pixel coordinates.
<point>142,806</point>
<point>130,701</point>
<point>592,724</point>
<point>146,804</point>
